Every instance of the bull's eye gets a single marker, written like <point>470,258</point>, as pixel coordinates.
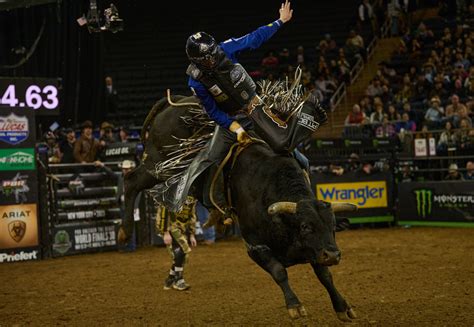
<point>305,228</point>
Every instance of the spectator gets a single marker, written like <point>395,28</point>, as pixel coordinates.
<point>356,117</point>
<point>86,147</point>
<point>66,147</point>
<point>469,175</point>
<point>330,42</point>
<point>353,163</point>
<point>393,11</point>
<point>106,134</point>
<point>447,138</point>
<point>124,133</point>
<point>461,114</point>
<point>270,63</point>
<point>300,57</point>
<point>111,96</point>
<point>393,115</point>
<point>54,155</point>
<point>355,43</point>
<point>406,124</point>
<point>374,89</point>
<point>377,116</point>
<point>407,174</point>
<point>386,129</point>
<point>284,57</point>
<point>434,113</point>
<point>453,173</point>
<point>366,14</point>
<point>465,135</point>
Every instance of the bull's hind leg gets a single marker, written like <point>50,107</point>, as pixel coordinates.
<point>135,181</point>
<point>343,310</point>
<point>263,256</point>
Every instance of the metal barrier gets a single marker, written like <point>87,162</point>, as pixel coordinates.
<point>338,96</point>
<point>371,47</point>
<point>356,70</point>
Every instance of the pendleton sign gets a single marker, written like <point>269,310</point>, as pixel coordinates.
<point>450,201</point>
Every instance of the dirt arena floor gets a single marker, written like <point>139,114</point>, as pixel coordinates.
<point>392,277</point>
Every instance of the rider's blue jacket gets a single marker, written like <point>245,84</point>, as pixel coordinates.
<point>231,48</point>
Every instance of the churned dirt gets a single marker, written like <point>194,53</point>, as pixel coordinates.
<point>392,277</point>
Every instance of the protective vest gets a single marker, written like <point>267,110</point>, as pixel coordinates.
<point>229,84</point>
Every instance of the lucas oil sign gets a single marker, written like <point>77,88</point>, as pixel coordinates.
<point>370,194</point>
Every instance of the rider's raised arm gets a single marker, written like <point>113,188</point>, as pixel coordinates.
<point>210,105</point>
<point>255,39</point>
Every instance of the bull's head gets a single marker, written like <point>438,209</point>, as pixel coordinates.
<point>315,223</point>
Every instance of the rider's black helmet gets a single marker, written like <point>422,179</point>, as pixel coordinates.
<point>201,49</point>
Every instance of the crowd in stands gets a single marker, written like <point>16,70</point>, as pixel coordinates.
<point>426,87</point>
<point>65,145</point>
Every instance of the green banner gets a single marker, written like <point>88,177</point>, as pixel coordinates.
<point>17,159</point>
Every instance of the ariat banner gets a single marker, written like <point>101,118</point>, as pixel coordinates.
<point>450,201</point>
<point>18,226</point>
<point>363,194</point>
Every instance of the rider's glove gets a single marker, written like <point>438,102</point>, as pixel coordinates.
<point>242,136</point>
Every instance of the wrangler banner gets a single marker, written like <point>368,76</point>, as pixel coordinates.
<point>448,201</point>
<point>371,193</point>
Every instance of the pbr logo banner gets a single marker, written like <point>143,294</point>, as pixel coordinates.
<point>17,128</point>
<point>85,238</point>
<point>371,193</point>
<point>18,187</point>
<point>449,201</point>
<point>18,226</point>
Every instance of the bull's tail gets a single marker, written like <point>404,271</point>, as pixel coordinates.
<point>160,105</point>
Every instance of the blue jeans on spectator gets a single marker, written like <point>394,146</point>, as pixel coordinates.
<point>209,234</point>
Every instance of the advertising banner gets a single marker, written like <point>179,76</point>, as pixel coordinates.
<point>446,201</point>
<point>18,226</point>
<point>19,232</point>
<point>18,187</point>
<point>371,193</point>
<point>84,238</point>
<point>17,129</point>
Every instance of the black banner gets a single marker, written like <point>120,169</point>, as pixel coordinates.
<point>448,201</point>
<point>84,238</point>
<point>120,151</point>
<point>18,187</point>
<point>371,193</point>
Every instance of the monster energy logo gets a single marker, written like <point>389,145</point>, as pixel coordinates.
<point>423,202</point>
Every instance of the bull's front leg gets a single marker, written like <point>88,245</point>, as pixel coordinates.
<point>263,256</point>
<point>343,310</point>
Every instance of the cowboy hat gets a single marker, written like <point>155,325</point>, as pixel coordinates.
<point>127,164</point>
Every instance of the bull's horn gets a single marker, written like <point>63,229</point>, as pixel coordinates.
<point>343,206</point>
<point>282,207</point>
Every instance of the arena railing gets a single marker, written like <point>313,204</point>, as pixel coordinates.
<point>337,97</point>
<point>356,70</point>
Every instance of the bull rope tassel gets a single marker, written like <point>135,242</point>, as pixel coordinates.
<point>182,104</point>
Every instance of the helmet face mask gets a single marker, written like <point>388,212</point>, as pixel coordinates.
<point>201,49</point>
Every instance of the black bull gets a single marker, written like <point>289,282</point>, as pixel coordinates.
<point>280,221</point>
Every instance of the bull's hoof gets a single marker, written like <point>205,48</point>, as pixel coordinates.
<point>347,316</point>
<point>297,312</point>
